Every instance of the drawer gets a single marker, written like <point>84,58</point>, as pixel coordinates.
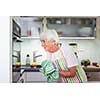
<point>35,77</point>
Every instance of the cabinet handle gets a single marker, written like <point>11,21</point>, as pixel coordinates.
<point>22,80</point>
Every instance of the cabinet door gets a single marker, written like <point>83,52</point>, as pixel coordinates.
<point>73,27</point>
<point>93,76</point>
<point>31,27</point>
<point>24,29</point>
<point>22,79</point>
<point>35,77</point>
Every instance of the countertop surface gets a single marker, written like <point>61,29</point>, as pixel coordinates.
<point>36,68</point>
<point>27,68</point>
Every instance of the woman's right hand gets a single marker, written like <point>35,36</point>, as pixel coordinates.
<point>62,73</point>
<point>68,73</point>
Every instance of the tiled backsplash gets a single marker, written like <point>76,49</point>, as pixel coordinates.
<point>28,47</point>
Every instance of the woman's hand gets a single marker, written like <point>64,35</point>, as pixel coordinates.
<point>70,73</point>
<point>64,73</point>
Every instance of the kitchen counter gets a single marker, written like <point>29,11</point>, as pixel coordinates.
<point>22,69</point>
<point>91,68</point>
<point>27,68</point>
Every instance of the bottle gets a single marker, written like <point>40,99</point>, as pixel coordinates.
<point>27,59</point>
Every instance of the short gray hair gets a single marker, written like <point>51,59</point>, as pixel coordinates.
<point>50,35</point>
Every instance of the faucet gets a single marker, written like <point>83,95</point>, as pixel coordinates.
<point>35,56</point>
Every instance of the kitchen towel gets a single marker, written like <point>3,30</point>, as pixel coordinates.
<point>49,70</point>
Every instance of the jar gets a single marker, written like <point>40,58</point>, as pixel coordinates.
<point>27,59</point>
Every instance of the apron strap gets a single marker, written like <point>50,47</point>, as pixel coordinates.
<point>64,57</point>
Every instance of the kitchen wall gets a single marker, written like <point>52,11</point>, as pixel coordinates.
<point>86,48</point>
<point>28,47</point>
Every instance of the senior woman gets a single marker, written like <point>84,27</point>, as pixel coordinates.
<point>62,57</point>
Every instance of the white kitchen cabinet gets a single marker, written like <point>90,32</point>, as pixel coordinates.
<point>34,77</point>
<point>66,27</point>
<point>22,79</point>
<point>73,26</point>
<point>31,26</point>
<point>24,28</point>
<point>93,76</point>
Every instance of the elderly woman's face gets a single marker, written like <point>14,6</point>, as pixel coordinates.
<point>50,46</point>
